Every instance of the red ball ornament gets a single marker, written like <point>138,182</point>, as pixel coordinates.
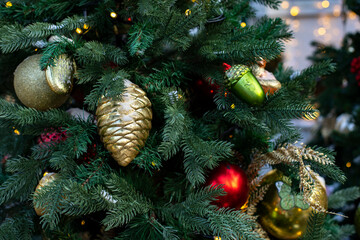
<point>235,184</point>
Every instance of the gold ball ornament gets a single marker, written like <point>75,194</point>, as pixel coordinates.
<point>44,181</point>
<point>281,223</point>
<point>47,89</point>
<point>124,125</point>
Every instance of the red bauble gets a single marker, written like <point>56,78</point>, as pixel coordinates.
<point>235,184</point>
<point>52,135</point>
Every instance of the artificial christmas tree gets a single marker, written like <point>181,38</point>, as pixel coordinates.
<point>166,48</point>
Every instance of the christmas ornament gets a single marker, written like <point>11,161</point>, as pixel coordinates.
<point>266,79</point>
<point>234,182</point>
<point>52,135</point>
<point>355,68</point>
<point>124,125</point>
<point>357,221</point>
<point>243,84</point>
<point>43,89</point>
<point>290,223</point>
<point>44,181</point>
<point>344,123</point>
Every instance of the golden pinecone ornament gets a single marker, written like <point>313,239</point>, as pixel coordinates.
<point>124,125</point>
<point>44,181</point>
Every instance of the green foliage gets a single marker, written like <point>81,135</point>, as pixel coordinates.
<point>314,229</point>
<point>340,198</point>
<point>20,227</point>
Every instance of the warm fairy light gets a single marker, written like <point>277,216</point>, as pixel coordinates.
<point>232,106</point>
<point>82,222</point>
<point>217,238</point>
<point>321,31</point>
<point>45,173</point>
<point>187,12</point>
<point>325,4</point>
<point>299,233</point>
<point>211,91</point>
<point>129,19</point>
<point>243,24</point>
<point>8,4</point>
<point>113,14</point>
<point>153,163</point>
<point>285,4</point>
<point>230,136</point>
<point>225,94</point>
<point>352,15</point>
<point>299,210</point>
<point>86,26</point>
<point>294,11</point>
<point>180,96</point>
<point>348,164</point>
<point>16,132</point>
<point>36,50</point>
<point>78,31</point>
<point>337,10</point>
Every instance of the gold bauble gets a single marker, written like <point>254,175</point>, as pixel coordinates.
<point>32,88</point>
<point>44,181</point>
<point>285,224</point>
<point>124,125</point>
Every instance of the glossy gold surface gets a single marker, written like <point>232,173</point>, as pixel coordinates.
<point>45,180</point>
<point>32,88</point>
<point>60,76</point>
<point>282,224</point>
<point>124,125</point>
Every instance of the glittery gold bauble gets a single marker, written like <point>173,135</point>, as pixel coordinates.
<point>285,224</point>
<point>44,181</point>
<point>124,125</point>
<point>32,88</point>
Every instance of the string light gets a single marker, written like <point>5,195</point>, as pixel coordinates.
<point>285,4</point>
<point>321,31</point>
<point>352,15</point>
<point>153,163</point>
<point>294,11</point>
<point>325,4</point>
<point>231,136</point>
<point>78,31</point>
<point>348,164</point>
<point>211,91</point>
<point>82,222</point>
<point>337,10</point>
<point>217,238</point>
<point>232,106</point>
<point>36,50</point>
<point>113,15</point>
<point>45,173</point>
<point>187,12</point>
<point>8,4</point>
<point>243,24</point>
<point>16,131</point>
<point>129,19</point>
<point>86,26</point>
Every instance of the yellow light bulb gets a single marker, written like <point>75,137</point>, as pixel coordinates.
<point>78,31</point>
<point>86,26</point>
<point>8,4</point>
<point>153,163</point>
<point>82,222</point>
<point>187,12</point>
<point>321,31</point>
<point>113,14</point>
<point>348,164</point>
<point>232,106</point>
<point>16,132</point>
<point>285,4</point>
<point>294,11</point>
<point>325,4</point>
<point>217,238</point>
<point>231,136</point>
<point>243,24</point>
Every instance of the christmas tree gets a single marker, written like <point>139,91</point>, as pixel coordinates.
<point>152,120</point>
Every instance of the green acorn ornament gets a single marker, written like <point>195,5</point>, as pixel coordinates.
<point>243,84</point>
